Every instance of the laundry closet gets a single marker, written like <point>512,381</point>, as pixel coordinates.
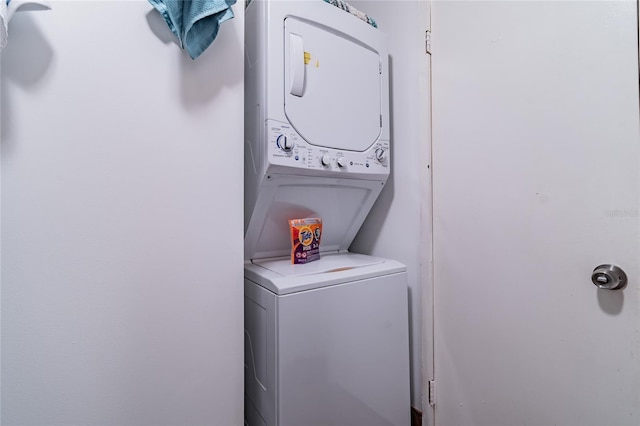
<point>122,231</point>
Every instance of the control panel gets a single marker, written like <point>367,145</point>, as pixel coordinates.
<point>287,148</point>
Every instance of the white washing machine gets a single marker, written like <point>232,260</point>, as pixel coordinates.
<point>326,343</point>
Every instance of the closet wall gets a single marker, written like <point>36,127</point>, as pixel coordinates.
<point>121,220</point>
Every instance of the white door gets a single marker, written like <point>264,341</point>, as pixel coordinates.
<point>536,181</point>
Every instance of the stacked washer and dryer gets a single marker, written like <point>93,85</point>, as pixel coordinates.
<point>327,342</point>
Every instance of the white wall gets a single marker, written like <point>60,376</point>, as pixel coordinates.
<point>398,225</point>
<point>122,220</point>
<point>0,248</point>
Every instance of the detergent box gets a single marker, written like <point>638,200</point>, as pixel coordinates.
<point>305,239</point>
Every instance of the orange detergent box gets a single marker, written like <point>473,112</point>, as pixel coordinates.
<point>305,239</point>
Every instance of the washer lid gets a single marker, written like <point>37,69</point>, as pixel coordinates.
<point>328,263</point>
<point>333,86</point>
<point>281,277</point>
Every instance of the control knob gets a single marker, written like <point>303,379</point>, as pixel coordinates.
<point>380,154</point>
<point>342,163</point>
<point>284,143</point>
<point>325,160</point>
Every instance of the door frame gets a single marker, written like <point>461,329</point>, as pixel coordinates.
<point>426,237</point>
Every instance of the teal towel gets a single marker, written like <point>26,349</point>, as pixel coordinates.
<point>194,22</point>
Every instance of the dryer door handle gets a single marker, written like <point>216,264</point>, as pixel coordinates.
<point>296,65</point>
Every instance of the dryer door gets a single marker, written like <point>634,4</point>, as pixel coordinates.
<point>332,87</point>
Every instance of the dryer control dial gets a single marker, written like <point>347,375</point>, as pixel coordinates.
<point>342,163</point>
<point>380,154</point>
<point>325,160</point>
<point>284,143</point>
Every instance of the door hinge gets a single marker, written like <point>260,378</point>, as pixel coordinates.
<point>427,42</point>
<point>432,392</point>
<point>380,68</point>
<point>380,120</point>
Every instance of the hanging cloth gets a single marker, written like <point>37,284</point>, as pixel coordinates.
<point>9,7</point>
<point>194,22</point>
<point>4,24</point>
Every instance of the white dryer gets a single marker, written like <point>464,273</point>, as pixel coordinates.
<point>326,343</point>
<point>316,122</point>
